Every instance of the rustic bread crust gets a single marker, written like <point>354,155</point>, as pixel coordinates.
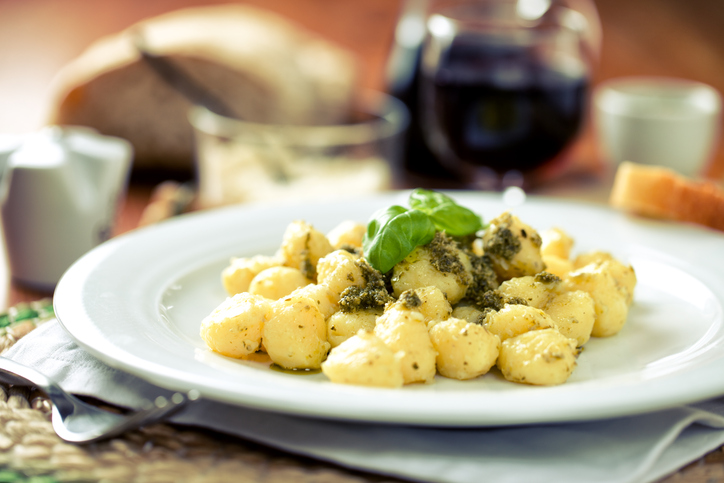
<point>662,193</point>
<point>265,68</point>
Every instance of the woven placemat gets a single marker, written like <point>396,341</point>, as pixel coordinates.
<point>30,451</point>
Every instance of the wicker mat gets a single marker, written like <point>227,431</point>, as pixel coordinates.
<point>30,451</point>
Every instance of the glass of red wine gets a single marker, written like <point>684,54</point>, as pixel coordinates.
<point>504,87</point>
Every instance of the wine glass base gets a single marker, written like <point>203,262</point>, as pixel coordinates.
<point>486,179</point>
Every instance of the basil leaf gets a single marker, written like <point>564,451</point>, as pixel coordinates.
<point>426,200</point>
<point>380,218</point>
<point>393,234</point>
<point>445,213</point>
<point>456,220</point>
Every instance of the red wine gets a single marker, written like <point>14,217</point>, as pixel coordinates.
<point>496,108</point>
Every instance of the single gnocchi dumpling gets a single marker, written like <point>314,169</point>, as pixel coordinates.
<point>624,275</point>
<point>347,234</point>
<point>339,270</point>
<point>343,325</point>
<point>536,290</point>
<point>440,264</point>
<point>295,336</point>
<point>464,350</point>
<point>429,301</point>
<point>302,247</point>
<point>557,266</point>
<point>405,331</point>
<point>574,314</point>
<point>277,282</point>
<point>595,256</point>
<point>234,328</point>
<point>540,357</point>
<point>609,298</point>
<point>469,314</point>
<point>365,360</point>
<point>326,300</point>
<point>513,247</point>
<point>513,320</point>
<point>237,276</point>
<point>556,242</point>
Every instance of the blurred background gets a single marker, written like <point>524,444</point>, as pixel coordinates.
<point>38,37</point>
<point>672,38</point>
<point>681,38</point>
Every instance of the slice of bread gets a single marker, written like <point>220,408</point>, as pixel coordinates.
<point>662,193</point>
<point>263,66</point>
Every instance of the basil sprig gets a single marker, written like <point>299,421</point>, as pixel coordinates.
<point>394,232</point>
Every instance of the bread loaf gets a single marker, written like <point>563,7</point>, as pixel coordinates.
<point>662,193</point>
<point>264,67</point>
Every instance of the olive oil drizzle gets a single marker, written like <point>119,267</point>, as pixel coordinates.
<point>297,372</point>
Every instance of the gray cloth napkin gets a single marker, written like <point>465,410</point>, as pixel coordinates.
<point>636,449</point>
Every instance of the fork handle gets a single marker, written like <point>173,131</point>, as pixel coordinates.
<point>19,374</point>
<point>22,375</point>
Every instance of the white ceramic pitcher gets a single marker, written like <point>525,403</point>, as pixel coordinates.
<point>59,192</point>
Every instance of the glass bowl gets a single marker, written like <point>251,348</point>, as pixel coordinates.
<point>240,161</point>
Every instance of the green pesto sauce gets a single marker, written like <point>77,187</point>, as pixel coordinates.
<point>503,244</point>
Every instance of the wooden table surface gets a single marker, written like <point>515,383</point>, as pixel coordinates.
<point>679,38</point>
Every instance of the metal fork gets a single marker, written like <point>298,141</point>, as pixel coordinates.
<point>76,421</point>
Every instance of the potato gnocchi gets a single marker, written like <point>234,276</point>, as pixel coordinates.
<point>459,307</point>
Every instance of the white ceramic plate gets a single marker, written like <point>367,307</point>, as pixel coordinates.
<point>136,303</point>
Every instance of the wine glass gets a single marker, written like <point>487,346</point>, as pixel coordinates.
<point>504,86</point>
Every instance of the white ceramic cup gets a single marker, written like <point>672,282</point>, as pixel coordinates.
<point>657,121</point>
